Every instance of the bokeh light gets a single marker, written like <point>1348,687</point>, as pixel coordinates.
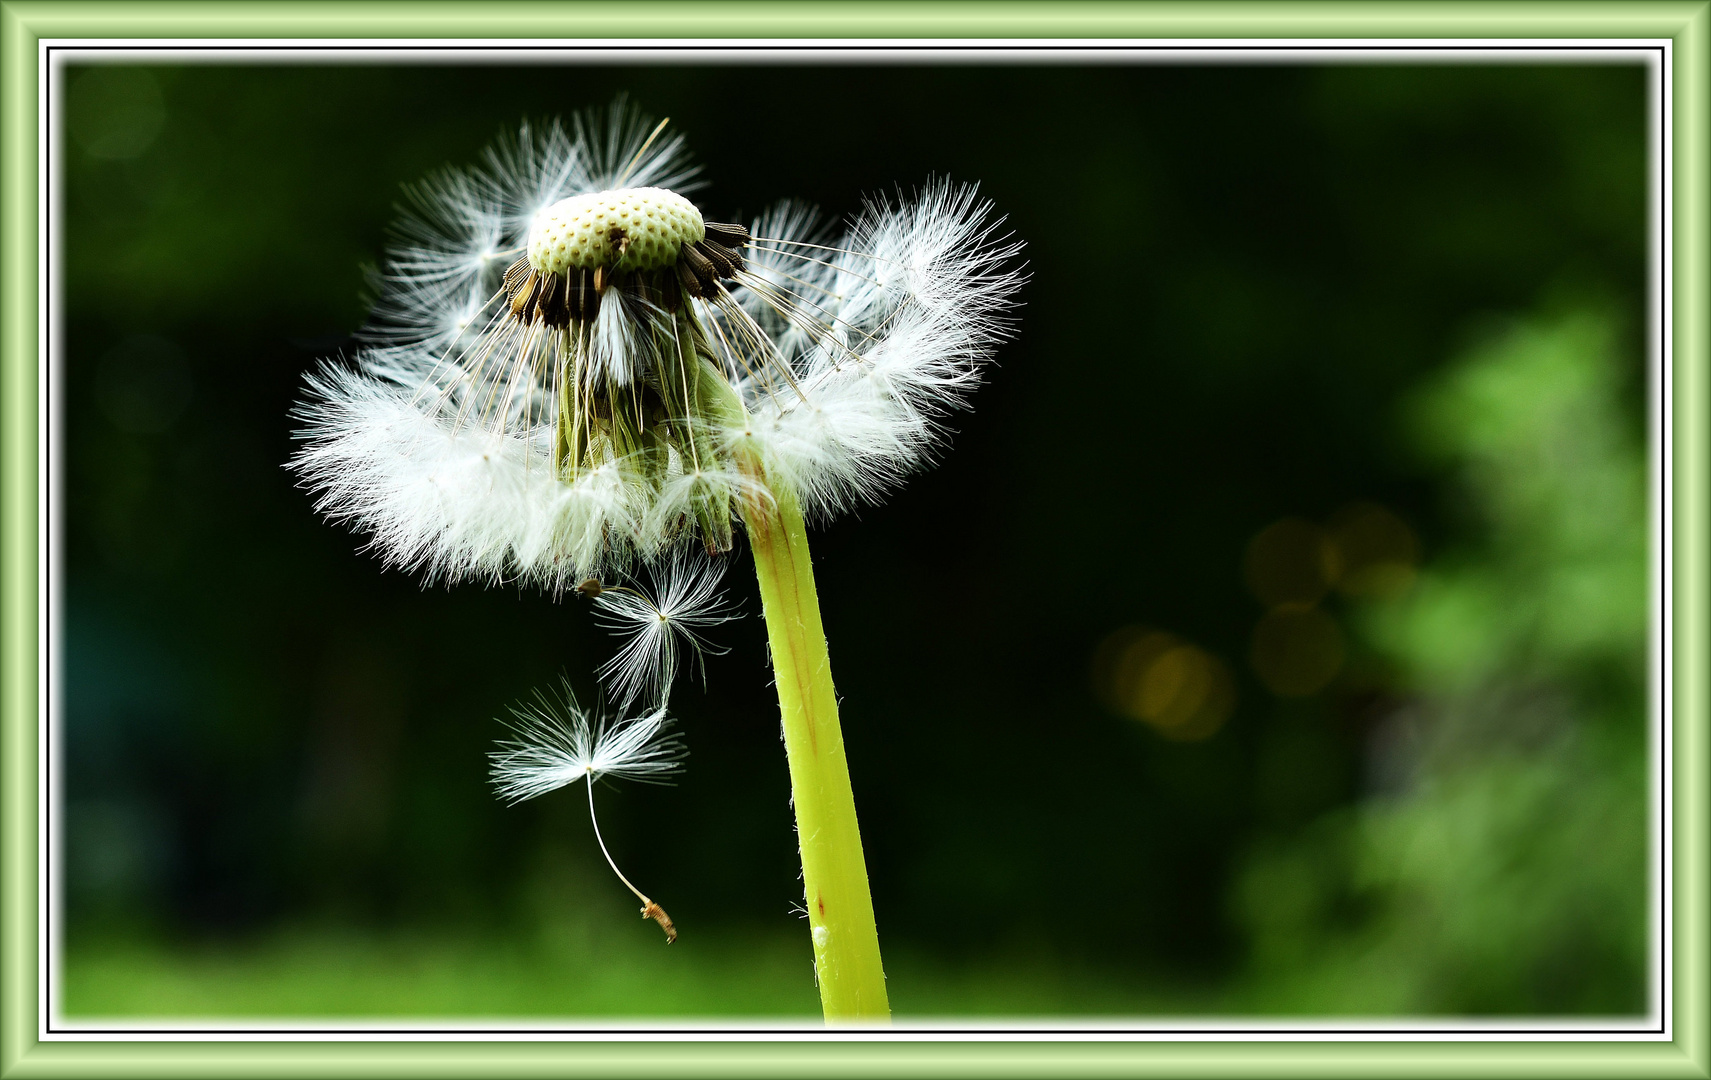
<point>1297,650</point>
<point>1177,688</point>
<point>1364,551</point>
<point>1290,562</point>
<point>1375,551</point>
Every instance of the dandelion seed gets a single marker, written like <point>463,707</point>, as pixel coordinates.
<point>685,600</point>
<point>557,744</point>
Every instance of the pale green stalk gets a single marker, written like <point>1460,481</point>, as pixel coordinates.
<point>840,908</point>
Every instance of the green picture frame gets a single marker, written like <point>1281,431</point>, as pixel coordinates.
<point>25,26</point>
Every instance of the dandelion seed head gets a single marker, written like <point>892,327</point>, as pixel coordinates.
<point>570,370</point>
<point>650,225</point>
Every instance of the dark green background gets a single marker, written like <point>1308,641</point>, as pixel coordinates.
<point>1240,277</point>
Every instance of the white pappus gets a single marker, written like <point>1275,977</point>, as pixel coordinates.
<point>557,742</point>
<point>658,623</point>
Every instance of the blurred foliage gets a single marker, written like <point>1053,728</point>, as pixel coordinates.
<point>275,753</point>
<point>1499,866</point>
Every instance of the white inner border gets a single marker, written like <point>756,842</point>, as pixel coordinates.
<point>1656,1026</point>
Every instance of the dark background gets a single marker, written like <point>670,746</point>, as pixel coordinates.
<point>275,752</point>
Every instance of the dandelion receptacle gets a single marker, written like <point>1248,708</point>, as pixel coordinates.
<point>571,373</point>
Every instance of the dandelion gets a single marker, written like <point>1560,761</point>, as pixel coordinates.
<point>570,370</point>
<point>684,601</point>
<point>557,744</point>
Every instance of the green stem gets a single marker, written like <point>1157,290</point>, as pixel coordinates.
<point>840,908</point>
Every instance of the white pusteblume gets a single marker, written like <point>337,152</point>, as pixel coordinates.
<point>569,369</point>
<point>659,623</point>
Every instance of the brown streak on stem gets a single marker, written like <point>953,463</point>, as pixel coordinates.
<point>774,539</point>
